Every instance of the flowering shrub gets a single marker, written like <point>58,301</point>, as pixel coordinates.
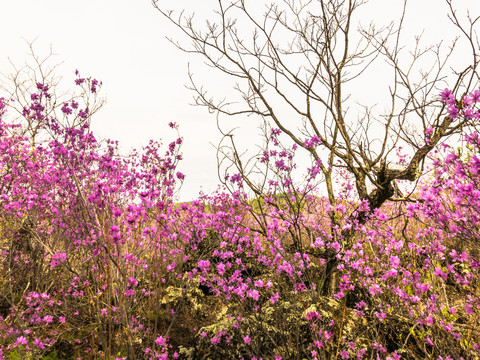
<point>76,222</point>
<point>98,261</point>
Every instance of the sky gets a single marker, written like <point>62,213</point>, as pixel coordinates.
<point>123,43</point>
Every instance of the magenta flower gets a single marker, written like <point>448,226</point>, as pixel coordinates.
<point>204,265</point>
<point>447,96</point>
<point>274,298</point>
<point>160,341</point>
<point>38,343</point>
<point>453,112</point>
<point>21,340</point>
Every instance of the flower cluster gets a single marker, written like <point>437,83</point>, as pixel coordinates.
<point>97,260</point>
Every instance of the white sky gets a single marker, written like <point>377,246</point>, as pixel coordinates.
<point>122,43</point>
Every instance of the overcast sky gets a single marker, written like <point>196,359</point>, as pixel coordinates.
<point>122,43</point>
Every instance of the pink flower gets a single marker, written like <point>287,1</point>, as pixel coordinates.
<point>468,309</point>
<point>132,281</point>
<point>38,343</point>
<point>221,268</point>
<point>440,273</point>
<point>247,339</point>
<point>254,294</point>
<point>258,283</point>
<point>273,299</point>
<point>171,266</point>
<point>21,340</point>
<point>204,265</point>
<point>160,341</point>
<point>380,315</point>
<point>447,96</point>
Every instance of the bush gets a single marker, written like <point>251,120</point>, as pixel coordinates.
<point>98,261</point>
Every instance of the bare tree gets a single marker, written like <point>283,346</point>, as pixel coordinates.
<point>302,55</point>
